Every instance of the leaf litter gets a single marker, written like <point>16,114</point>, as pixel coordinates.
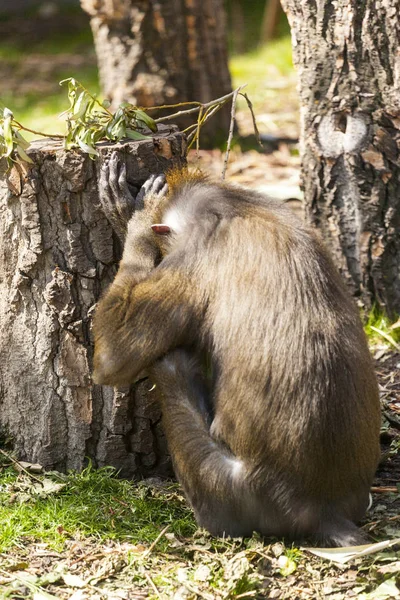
<point>172,565</point>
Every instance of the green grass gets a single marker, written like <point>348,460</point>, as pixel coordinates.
<point>92,503</point>
<point>380,329</point>
<point>38,108</point>
<point>39,111</point>
<point>262,67</point>
<point>66,42</point>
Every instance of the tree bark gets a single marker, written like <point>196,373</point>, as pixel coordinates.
<point>270,20</point>
<point>347,56</point>
<point>165,52</point>
<point>58,253</point>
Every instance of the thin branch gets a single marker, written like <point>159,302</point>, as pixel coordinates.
<point>199,124</point>
<point>230,136</point>
<point>386,336</point>
<point>152,584</point>
<point>205,112</point>
<point>250,105</point>
<point>163,106</point>
<point>158,538</point>
<point>206,105</point>
<point>20,467</point>
<point>209,114</point>
<point>53,135</point>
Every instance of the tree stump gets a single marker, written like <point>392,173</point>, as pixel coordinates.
<point>58,254</point>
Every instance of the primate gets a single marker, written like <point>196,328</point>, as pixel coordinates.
<point>283,437</point>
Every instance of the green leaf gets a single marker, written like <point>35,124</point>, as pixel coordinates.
<point>71,93</point>
<point>80,107</point>
<point>21,141</point>
<point>119,129</point>
<point>23,154</point>
<point>146,120</point>
<point>287,566</point>
<point>87,148</point>
<point>135,135</point>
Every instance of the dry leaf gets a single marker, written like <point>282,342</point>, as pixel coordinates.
<point>344,555</point>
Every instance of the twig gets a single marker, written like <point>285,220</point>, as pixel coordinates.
<point>199,124</point>
<point>253,116</point>
<point>386,336</point>
<point>230,136</point>
<point>158,538</point>
<point>163,106</point>
<point>20,467</point>
<point>206,105</point>
<point>384,490</point>
<point>207,115</point>
<point>54,135</point>
<point>153,585</point>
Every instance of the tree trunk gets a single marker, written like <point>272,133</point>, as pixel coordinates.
<point>165,52</point>
<point>270,21</point>
<point>347,55</point>
<point>58,253</point>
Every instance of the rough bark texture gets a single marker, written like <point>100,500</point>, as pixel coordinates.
<point>347,55</point>
<point>165,52</point>
<point>57,255</point>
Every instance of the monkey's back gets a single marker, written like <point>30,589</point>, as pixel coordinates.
<point>295,384</point>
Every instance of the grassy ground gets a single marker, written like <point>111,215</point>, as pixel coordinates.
<point>91,535</point>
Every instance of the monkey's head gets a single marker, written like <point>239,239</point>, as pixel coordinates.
<point>180,212</point>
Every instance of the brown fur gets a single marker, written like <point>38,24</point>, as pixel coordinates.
<point>293,403</point>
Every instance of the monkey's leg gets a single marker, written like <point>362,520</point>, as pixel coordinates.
<point>213,479</point>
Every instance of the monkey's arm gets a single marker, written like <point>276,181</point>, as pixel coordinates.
<point>137,323</point>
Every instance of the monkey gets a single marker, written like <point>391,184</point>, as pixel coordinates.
<point>283,437</point>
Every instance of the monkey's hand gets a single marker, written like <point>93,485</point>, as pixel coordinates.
<point>116,198</point>
<point>151,193</point>
<point>141,250</point>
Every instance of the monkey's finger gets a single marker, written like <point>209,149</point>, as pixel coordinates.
<point>164,190</point>
<point>104,175</point>
<point>158,184</point>
<point>125,198</point>
<point>139,201</point>
<point>114,174</point>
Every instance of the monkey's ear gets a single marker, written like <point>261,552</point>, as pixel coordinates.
<point>161,229</point>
